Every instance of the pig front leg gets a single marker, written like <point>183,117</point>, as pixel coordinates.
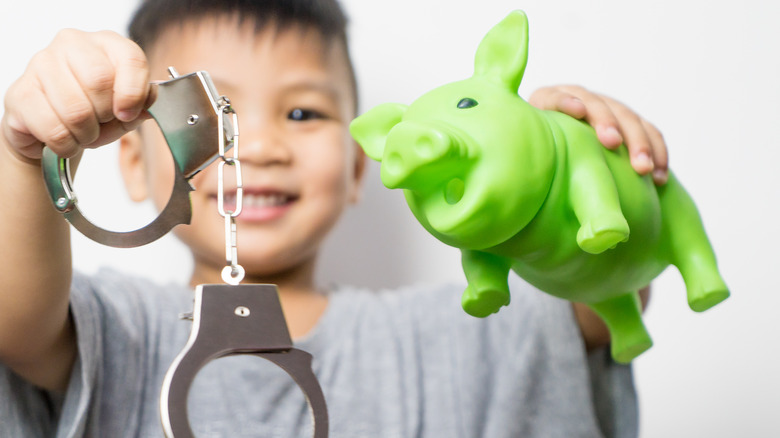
<point>487,289</point>
<point>594,198</point>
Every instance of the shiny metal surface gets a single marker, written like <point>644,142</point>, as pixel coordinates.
<point>199,126</point>
<point>188,112</point>
<point>233,273</point>
<point>230,320</point>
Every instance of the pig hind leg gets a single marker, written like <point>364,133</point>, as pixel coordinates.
<point>689,248</point>
<point>623,317</point>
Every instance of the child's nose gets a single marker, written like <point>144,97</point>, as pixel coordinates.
<point>264,147</point>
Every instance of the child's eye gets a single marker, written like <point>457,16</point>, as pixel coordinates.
<point>302,115</point>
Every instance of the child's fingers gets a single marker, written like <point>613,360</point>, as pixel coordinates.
<point>24,143</point>
<point>660,153</point>
<point>644,141</point>
<point>65,96</point>
<point>47,126</point>
<point>89,64</point>
<point>555,99</point>
<point>599,115</point>
<point>84,90</point>
<point>639,146</point>
<point>15,131</point>
<point>116,128</point>
<point>95,74</point>
<point>614,123</point>
<point>582,104</point>
<point>131,82</point>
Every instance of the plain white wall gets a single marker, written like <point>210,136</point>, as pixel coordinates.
<point>706,73</point>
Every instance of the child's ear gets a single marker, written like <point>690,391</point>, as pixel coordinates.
<point>132,166</point>
<point>359,171</point>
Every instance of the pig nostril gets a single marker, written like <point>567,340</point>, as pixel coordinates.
<point>393,164</point>
<point>425,146</point>
<point>453,193</point>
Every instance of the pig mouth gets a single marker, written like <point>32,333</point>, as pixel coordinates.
<point>454,191</point>
<point>463,218</point>
<point>451,210</point>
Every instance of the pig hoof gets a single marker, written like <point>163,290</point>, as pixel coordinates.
<point>484,302</point>
<point>705,300</point>
<point>600,235</point>
<point>626,353</point>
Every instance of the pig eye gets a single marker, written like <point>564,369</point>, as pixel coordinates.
<point>467,102</point>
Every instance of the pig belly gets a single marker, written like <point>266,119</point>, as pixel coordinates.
<point>592,278</point>
<point>561,268</point>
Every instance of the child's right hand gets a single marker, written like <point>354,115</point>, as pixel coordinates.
<point>84,90</point>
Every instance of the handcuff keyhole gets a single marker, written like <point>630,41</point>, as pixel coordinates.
<point>242,311</point>
<point>192,119</point>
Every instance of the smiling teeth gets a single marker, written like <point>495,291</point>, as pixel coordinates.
<point>260,201</point>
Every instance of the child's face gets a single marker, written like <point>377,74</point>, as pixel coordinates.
<point>300,167</point>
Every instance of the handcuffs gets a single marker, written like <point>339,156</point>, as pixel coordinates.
<point>227,319</point>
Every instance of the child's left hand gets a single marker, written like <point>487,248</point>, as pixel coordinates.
<point>614,123</point>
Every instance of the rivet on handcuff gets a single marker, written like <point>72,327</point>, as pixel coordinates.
<point>227,319</point>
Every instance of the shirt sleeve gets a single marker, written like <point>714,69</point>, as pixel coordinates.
<point>25,411</point>
<point>544,376</point>
<point>433,370</point>
<point>608,385</point>
<point>119,327</point>
<point>128,333</point>
<point>29,411</point>
<point>614,395</point>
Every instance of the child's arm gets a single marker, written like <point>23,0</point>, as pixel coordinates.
<point>84,90</point>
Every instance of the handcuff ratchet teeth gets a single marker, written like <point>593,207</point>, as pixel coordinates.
<point>187,112</point>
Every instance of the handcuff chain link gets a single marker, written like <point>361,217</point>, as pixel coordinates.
<point>233,273</point>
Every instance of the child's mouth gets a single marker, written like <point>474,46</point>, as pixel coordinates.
<point>260,206</point>
<point>251,200</point>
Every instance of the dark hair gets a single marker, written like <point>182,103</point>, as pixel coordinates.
<point>324,16</point>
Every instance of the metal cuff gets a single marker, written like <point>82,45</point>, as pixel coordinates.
<point>232,320</point>
<point>186,110</point>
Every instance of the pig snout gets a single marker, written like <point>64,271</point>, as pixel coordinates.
<point>418,156</point>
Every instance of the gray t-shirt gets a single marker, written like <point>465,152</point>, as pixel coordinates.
<point>400,363</point>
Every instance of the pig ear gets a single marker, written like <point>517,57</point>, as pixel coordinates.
<point>370,130</point>
<point>503,53</point>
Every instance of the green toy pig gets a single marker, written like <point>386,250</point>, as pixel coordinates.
<point>534,191</point>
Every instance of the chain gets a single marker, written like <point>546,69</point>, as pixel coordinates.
<point>233,273</point>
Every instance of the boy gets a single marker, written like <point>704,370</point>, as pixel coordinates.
<point>85,356</point>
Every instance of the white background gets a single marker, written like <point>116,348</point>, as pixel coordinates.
<point>705,72</point>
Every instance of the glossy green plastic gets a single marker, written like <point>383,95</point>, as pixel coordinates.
<point>534,191</point>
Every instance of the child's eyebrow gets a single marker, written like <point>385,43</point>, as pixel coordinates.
<point>224,87</point>
<point>324,87</point>
<point>229,88</point>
